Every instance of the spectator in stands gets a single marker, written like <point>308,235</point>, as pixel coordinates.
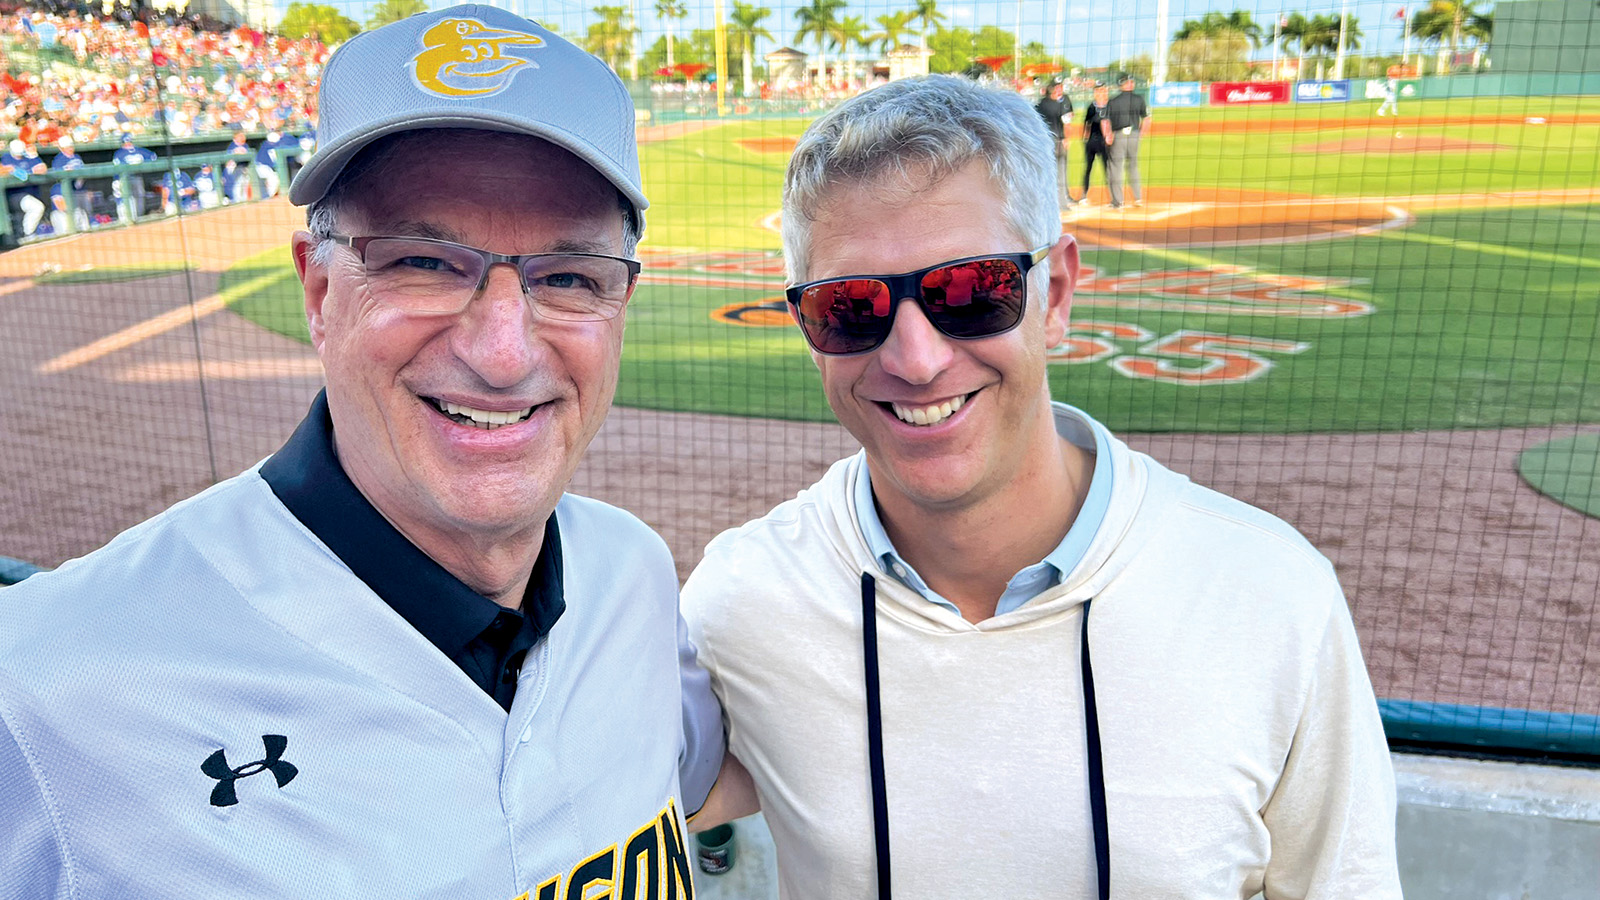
<point>235,177</point>
<point>67,159</point>
<point>19,163</point>
<point>131,207</point>
<point>178,193</point>
<point>208,187</point>
<point>268,154</point>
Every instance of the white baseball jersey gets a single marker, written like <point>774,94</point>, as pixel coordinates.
<point>212,705</point>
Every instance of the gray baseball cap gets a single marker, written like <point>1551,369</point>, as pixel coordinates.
<point>470,67</point>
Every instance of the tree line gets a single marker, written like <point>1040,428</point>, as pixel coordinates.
<point>1219,47</point>
<point>1215,47</point>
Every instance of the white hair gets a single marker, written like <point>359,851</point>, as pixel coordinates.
<point>921,130</point>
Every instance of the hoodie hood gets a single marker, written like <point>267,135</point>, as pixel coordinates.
<point>1140,489</point>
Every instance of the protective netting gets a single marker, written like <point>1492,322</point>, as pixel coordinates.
<point>1359,290</point>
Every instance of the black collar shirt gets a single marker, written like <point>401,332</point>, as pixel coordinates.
<point>487,640</point>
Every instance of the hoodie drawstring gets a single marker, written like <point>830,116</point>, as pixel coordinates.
<point>880,803</point>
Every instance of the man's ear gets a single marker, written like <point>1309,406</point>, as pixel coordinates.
<point>314,282</point>
<point>1063,281</point>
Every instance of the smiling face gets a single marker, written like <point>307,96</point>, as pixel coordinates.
<point>459,491</point>
<point>946,423</point>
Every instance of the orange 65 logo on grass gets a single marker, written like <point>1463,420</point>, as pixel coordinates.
<point>1186,357</point>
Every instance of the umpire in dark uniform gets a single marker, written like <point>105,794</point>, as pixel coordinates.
<point>1096,137</point>
<point>1129,115</point>
<point>1055,107</point>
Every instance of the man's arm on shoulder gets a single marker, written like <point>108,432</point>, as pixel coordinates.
<point>732,797</point>
<point>1332,815</point>
<point>704,740</point>
<point>31,855</point>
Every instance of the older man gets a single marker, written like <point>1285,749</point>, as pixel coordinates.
<point>904,649</point>
<point>394,659</point>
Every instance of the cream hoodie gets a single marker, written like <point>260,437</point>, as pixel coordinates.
<point>1242,745</point>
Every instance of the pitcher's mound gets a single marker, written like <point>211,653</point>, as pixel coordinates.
<point>1212,217</point>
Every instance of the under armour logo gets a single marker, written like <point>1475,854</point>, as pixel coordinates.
<point>216,765</point>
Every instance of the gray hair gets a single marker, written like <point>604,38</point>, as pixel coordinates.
<point>924,129</point>
<point>322,216</point>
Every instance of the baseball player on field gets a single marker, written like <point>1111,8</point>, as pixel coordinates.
<point>998,653</point>
<point>394,659</point>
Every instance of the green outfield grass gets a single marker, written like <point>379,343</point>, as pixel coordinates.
<point>1478,318</point>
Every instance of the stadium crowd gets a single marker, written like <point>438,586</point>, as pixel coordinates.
<point>134,77</point>
<point>142,72</point>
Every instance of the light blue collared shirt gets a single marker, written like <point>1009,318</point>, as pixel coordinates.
<point>1034,580</point>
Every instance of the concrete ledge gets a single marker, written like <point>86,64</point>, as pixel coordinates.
<point>1466,830</point>
<point>1497,830</point>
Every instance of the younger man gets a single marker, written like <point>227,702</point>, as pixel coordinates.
<point>998,653</point>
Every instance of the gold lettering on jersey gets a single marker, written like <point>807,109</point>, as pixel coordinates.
<point>466,58</point>
<point>678,883</point>
<point>593,878</point>
<point>653,865</point>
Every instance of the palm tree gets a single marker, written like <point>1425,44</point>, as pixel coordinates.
<point>745,23</point>
<point>394,10</point>
<point>1479,27</point>
<point>926,14</point>
<point>610,35</point>
<point>321,21</point>
<point>818,21</point>
<point>894,25</point>
<point>671,10</point>
<point>847,34</point>
<point>1321,37</point>
<point>1292,34</point>
<point>1445,20</point>
<point>1241,21</point>
<point>1214,23</point>
<point>1352,38</point>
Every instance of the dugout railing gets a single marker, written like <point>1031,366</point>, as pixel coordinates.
<point>97,199</point>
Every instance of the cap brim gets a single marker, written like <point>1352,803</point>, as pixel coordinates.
<point>319,173</point>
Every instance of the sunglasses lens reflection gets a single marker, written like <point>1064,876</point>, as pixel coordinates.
<point>846,316</point>
<point>972,299</point>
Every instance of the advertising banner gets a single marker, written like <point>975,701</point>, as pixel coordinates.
<point>1176,93</point>
<point>1236,93</point>
<point>1322,91</point>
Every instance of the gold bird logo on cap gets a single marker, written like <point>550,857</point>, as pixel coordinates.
<point>466,58</point>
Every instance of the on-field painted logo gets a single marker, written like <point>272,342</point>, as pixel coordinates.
<point>466,58</point>
<point>1184,357</point>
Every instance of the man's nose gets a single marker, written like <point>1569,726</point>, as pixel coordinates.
<point>495,334</point>
<point>914,351</point>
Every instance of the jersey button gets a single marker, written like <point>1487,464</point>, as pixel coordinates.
<point>527,734</point>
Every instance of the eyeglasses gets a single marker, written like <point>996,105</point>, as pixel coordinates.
<point>429,277</point>
<point>966,299</point>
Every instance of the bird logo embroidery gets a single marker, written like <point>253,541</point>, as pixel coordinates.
<point>466,58</point>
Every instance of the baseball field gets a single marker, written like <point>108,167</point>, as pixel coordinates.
<point>1360,324</point>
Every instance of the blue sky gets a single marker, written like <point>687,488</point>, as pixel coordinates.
<point>1092,33</point>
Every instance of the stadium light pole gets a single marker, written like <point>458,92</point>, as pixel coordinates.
<point>1016,46</point>
<point>1158,71</point>
<point>1061,34</point>
<point>722,58</point>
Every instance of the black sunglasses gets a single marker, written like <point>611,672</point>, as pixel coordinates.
<point>975,297</point>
